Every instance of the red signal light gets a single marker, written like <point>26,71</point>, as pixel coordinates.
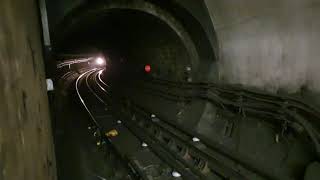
<point>147,68</point>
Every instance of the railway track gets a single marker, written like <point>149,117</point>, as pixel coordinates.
<point>146,160</point>
<point>156,148</point>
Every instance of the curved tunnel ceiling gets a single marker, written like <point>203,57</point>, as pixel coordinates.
<point>141,27</point>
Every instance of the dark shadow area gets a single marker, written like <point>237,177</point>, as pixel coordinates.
<point>129,40</point>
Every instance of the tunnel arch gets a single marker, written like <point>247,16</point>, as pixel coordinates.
<point>193,47</point>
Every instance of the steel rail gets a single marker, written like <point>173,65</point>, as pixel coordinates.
<point>91,90</point>
<point>100,79</point>
<point>81,98</point>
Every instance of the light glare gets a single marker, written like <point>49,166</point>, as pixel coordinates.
<point>100,61</point>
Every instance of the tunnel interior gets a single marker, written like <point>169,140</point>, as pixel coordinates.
<point>159,90</point>
<point>184,117</point>
<point>128,40</point>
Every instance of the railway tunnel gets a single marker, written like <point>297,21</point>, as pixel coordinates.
<point>158,90</point>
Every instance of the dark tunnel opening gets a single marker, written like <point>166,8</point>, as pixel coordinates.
<point>129,40</point>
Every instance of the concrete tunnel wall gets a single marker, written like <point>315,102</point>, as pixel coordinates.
<point>269,44</point>
<point>26,148</point>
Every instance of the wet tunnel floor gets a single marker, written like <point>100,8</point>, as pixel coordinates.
<point>78,156</point>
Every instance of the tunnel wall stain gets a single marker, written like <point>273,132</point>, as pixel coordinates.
<point>26,148</point>
<point>269,44</point>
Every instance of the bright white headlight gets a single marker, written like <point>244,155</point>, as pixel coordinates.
<point>100,61</point>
